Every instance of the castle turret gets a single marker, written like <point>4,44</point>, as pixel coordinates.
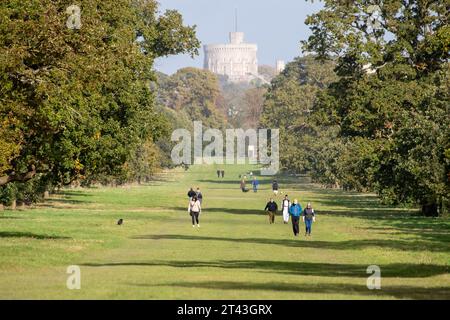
<point>237,59</point>
<point>236,37</point>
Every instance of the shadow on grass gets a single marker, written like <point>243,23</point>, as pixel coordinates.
<point>399,292</point>
<point>75,193</point>
<point>403,245</point>
<point>434,231</point>
<point>364,213</point>
<point>227,210</point>
<point>9,218</point>
<point>68,201</point>
<point>16,234</point>
<point>296,268</point>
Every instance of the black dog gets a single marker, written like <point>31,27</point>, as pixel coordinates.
<point>120,222</point>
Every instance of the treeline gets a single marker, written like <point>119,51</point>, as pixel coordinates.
<point>368,110</point>
<point>76,104</point>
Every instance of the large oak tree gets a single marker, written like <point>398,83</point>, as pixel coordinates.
<point>76,100</point>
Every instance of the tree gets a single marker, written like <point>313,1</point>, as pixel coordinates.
<point>288,106</point>
<point>253,102</point>
<point>391,101</point>
<point>75,103</point>
<point>196,93</point>
<point>267,72</point>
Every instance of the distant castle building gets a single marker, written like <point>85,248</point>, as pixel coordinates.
<point>237,59</point>
<point>281,65</point>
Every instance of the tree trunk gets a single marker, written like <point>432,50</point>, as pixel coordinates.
<point>13,205</point>
<point>1,206</point>
<point>430,210</point>
<point>46,195</point>
<point>21,205</point>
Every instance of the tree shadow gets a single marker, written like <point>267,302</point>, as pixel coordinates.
<point>74,193</point>
<point>400,292</point>
<point>9,218</point>
<point>369,213</point>
<point>16,234</point>
<point>259,212</point>
<point>434,231</point>
<point>403,245</point>
<point>226,210</point>
<point>67,202</point>
<point>397,270</point>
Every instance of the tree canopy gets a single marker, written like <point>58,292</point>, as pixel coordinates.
<point>75,103</point>
<point>391,100</point>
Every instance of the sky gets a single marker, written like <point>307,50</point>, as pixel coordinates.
<point>277,26</point>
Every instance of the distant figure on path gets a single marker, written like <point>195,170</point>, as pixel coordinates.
<point>195,208</point>
<point>191,193</point>
<point>295,211</point>
<point>199,195</point>
<point>285,204</point>
<point>255,184</point>
<point>308,218</point>
<point>223,173</point>
<point>218,173</point>
<point>275,187</point>
<point>272,208</point>
<point>243,186</point>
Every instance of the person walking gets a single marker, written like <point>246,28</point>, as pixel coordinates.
<point>223,173</point>
<point>191,193</point>
<point>199,195</point>
<point>275,187</point>
<point>195,208</point>
<point>285,204</point>
<point>243,186</point>
<point>255,184</point>
<point>295,211</point>
<point>308,218</point>
<point>218,173</point>
<point>272,208</point>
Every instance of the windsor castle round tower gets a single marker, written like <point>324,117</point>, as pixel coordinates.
<point>237,59</point>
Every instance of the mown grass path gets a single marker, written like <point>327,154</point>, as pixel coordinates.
<point>235,254</point>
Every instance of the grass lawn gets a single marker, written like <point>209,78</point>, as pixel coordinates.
<point>235,254</point>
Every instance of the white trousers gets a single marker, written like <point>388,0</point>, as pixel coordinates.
<point>286,214</point>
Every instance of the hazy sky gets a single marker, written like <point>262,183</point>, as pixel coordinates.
<point>277,26</point>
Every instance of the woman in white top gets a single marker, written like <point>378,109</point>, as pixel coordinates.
<point>285,205</point>
<point>195,208</point>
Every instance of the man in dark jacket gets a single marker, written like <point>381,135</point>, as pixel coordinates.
<point>191,193</point>
<point>275,187</point>
<point>272,208</point>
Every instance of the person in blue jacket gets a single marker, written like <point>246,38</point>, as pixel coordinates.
<point>295,210</point>
<point>255,184</point>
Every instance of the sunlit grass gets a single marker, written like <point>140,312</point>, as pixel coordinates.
<point>235,254</point>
